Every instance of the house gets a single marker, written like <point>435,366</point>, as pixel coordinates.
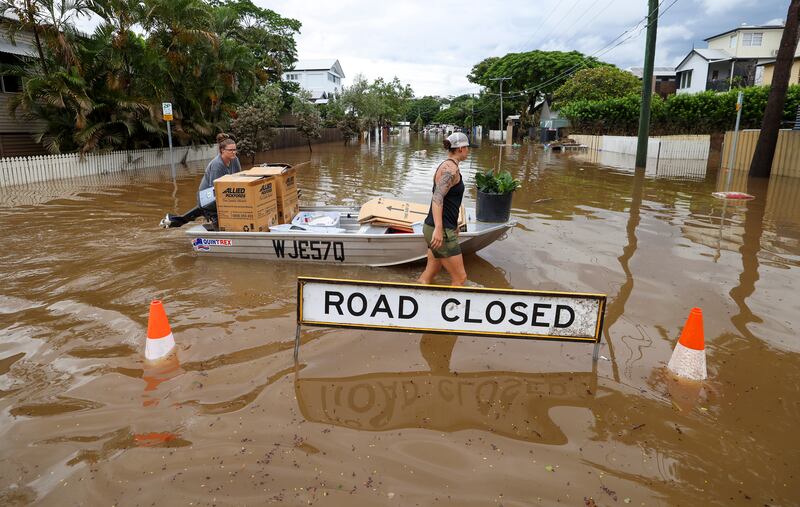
<point>767,67</point>
<point>322,78</point>
<point>732,55</point>
<point>16,137</point>
<point>664,79</point>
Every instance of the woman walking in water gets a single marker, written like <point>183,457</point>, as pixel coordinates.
<point>441,224</point>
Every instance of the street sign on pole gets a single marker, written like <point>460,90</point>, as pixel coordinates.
<point>166,109</point>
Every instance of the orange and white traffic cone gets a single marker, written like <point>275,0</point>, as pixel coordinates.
<point>159,335</point>
<point>689,357</point>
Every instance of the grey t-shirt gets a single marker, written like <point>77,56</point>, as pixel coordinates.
<point>216,169</point>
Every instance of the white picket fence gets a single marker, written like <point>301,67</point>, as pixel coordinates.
<point>665,147</point>
<point>25,170</point>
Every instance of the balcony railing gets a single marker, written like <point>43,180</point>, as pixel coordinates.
<point>718,86</point>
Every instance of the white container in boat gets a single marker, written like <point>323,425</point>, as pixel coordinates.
<point>317,218</point>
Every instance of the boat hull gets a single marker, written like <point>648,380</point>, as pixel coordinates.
<point>348,248</point>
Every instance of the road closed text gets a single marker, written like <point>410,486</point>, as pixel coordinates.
<point>412,307</point>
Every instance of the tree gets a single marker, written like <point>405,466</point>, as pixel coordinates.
<point>308,120</point>
<point>598,83</point>
<point>104,91</point>
<point>377,103</point>
<point>418,125</point>
<point>425,107</point>
<point>761,165</point>
<point>254,126</point>
<point>532,73</point>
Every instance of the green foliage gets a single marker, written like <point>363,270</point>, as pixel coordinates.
<point>490,182</point>
<point>598,83</point>
<point>104,91</point>
<point>532,73</point>
<point>418,124</point>
<point>700,113</point>
<point>458,113</point>
<point>254,126</point>
<point>425,107</point>
<point>376,103</point>
<point>308,119</point>
<point>349,127</point>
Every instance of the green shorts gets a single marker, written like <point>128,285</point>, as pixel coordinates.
<point>450,247</point>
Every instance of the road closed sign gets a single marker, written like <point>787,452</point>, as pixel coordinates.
<point>458,310</point>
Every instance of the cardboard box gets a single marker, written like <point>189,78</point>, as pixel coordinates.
<point>246,203</point>
<point>286,187</point>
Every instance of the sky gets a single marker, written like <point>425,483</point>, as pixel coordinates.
<point>432,46</point>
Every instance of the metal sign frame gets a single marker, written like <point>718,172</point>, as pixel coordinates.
<point>302,281</point>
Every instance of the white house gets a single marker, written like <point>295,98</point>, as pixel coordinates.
<point>322,78</point>
<point>15,133</point>
<point>736,53</point>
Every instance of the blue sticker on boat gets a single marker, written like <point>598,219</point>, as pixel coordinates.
<point>202,244</point>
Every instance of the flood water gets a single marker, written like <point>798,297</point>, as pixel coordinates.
<point>376,418</point>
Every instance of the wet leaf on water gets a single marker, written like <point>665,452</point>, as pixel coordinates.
<point>589,502</point>
<point>627,500</point>
<point>549,468</point>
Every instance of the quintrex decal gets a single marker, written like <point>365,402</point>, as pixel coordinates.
<point>205,244</point>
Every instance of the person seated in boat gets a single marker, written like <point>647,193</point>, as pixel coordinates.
<point>441,224</point>
<point>224,163</point>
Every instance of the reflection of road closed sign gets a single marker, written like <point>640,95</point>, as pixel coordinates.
<point>459,310</point>
<point>166,110</point>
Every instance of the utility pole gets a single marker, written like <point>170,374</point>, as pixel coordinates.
<point>647,84</point>
<point>501,79</point>
<point>472,118</point>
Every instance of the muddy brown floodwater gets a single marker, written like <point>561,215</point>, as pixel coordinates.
<point>374,418</point>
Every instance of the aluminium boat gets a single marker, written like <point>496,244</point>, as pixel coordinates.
<point>348,243</point>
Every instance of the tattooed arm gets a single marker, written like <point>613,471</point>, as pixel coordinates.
<point>444,181</point>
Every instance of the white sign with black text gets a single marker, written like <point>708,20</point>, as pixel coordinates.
<point>458,310</point>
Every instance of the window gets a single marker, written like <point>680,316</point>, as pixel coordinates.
<point>714,75</point>
<point>293,77</point>
<point>685,79</point>
<point>11,84</point>
<point>733,41</point>
<point>752,39</point>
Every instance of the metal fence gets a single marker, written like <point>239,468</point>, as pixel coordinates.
<point>24,170</point>
<point>665,147</point>
<point>786,161</point>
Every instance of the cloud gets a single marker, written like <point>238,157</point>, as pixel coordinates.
<point>713,7</point>
<point>433,45</point>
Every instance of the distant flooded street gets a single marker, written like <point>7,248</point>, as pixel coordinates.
<point>376,418</point>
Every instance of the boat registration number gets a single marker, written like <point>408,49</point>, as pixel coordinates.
<point>312,250</point>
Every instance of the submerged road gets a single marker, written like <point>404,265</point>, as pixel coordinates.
<point>375,418</point>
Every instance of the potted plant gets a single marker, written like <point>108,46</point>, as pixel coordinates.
<point>494,195</point>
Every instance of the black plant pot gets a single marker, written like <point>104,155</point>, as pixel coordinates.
<point>493,207</point>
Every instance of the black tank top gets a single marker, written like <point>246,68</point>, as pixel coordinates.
<point>451,203</point>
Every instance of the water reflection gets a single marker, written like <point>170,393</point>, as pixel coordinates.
<point>656,167</point>
<point>507,403</point>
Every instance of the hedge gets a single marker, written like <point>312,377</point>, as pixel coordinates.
<point>700,113</point>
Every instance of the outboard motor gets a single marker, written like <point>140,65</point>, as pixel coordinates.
<point>207,208</point>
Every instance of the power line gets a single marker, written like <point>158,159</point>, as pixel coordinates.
<point>602,51</point>
<point>553,28</point>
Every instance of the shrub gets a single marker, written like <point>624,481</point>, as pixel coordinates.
<point>699,113</point>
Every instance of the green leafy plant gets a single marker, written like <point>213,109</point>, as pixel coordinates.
<point>490,182</point>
